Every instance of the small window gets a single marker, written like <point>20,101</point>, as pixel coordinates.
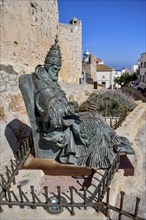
<point>144,64</point>
<point>141,64</point>
<point>145,77</point>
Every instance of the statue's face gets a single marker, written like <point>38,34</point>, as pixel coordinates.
<point>53,72</point>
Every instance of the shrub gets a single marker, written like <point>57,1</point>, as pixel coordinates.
<point>109,103</point>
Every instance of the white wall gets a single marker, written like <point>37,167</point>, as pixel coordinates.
<point>135,68</point>
<point>104,76</point>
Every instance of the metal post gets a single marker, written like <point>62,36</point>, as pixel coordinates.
<point>22,152</point>
<point>110,122</point>
<point>27,144</point>
<point>7,173</point>
<point>107,202</point>
<point>19,156</point>
<point>1,210</point>
<point>121,205</point>
<point>9,197</point>
<point>25,147</point>
<point>33,196</point>
<point>30,141</point>
<point>3,180</point>
<point>109,175</point>
<point>99,192</point>
<point>72,202</point>
<point>59,194</point>
<point>103,187</point>
<point>136,208</point>
<point>12,167</point>
<point>21,197</point>
<point>46,194</point>
<point>85,197</point>
<point>106,179</point>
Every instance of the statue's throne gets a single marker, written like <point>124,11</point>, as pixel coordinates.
<point>41,148</point>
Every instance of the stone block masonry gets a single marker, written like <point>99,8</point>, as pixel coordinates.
<point>71,46</point>
<point>28,29</point>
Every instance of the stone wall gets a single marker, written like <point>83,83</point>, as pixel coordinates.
<point>70,39</point>
<point>8,79</point>
<point>28,29</point>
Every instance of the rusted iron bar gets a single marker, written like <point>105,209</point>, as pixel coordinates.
<point>72,201</point>
<point>8,173</point>
<point>11,176</point>
<point>3,187</point>
<point>13,169</point>
<point>19,156</point>
<point>33,196</point>
<point>21,197</point>
<point>109,175</point>
<point>3,181</point>
<point>59,194</point>
<point>22,151</point>
<point>91,204</point>
<point>124,213</point>
<point>28,143</point>
<point>25,147</point>
<point>121,205</point>
<point>107,202</point>
<point>46,194</point>
<point>85,197</point>
<point>41,204</point>
<point>111,122</point>
<point>99,192</point>
<point>1,210</point>
<point>103,187</point>
<point>107,179</point>
<point>136,208</point>
<point>9,197</point>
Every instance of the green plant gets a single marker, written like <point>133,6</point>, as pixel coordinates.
<point>110,103</point>
<point>125,78</point>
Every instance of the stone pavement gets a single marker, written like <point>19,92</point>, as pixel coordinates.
<point>134,129</point>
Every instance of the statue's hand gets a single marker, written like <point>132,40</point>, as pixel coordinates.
<point>58,138</point>
<point>69,110</point>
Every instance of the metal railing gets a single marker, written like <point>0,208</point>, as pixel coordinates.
<point>115,122</point>
<point>88,198</point>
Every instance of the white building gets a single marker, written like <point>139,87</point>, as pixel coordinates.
<point>142,71</point>
<point>134,68</point>
<point>95,72</point>
<point>105,75</point>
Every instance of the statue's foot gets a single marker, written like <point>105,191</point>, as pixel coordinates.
<point>125,150</point>
<point>72,159</point>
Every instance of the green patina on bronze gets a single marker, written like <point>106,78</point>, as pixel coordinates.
<point>59,131</point>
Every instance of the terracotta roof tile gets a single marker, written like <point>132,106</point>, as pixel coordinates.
<point>98,60</point>
<point>102,67</point>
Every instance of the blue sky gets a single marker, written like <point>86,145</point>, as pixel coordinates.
<point>114,31</point>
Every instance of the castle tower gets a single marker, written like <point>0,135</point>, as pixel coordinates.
<point>75,21</point>
<point>70,41</point>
